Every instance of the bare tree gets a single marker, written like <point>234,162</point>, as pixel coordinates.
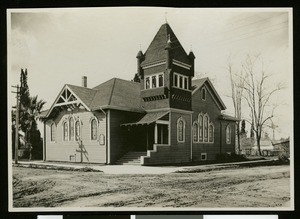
<point>258,94</point>
<point>237,88</point>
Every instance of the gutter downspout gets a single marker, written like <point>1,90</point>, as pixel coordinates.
<point>221,136</point>
<point>106,139</point>
<point>192,138</point>
<point>44,142</point>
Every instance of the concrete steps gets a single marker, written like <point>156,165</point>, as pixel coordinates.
<point>131,158</point>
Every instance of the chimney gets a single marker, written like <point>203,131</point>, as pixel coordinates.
<point>84,81</point>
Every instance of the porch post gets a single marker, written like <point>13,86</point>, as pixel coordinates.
<point>155,133</point>
<point>147,137</point>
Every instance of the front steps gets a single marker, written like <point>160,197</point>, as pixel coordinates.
<point>131,158</point>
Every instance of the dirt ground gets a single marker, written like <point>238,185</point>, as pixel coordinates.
<point>267,186</point>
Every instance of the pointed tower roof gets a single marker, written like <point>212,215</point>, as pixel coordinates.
<point>156,51</point>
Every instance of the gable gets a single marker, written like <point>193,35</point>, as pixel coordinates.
<point>197,86</point>
<point>71,97</point>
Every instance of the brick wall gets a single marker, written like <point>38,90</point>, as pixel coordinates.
<point>175,152</point>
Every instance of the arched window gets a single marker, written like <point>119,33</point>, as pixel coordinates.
<point>200,128</point>
<point>77,130</point>
<point>71,129</point>
<point>203,94</point>
<point>93,129</point>
<point>195,132</point>
<point>228,134</point>
<point>180,130</point>
<point>53,131</point>
<point>205,127</point>
<point>211,133</point>
<point>65,130</point>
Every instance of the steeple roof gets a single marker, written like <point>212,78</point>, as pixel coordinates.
<point>156,51</point>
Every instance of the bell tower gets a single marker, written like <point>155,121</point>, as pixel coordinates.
<point>165,72</point>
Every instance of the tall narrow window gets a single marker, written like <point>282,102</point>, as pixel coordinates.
<point>228,134</point>
<point>203,94</point>
<point>180,130</point>
<point>147,83</point>
<point>200,128</point>
<point>175,80</point>
<point>205,124</point>
<point>154,81</point>
<point>77,130</point>
<point>53,129</point>
<point>160,80</point>
<point>185,83</point>
<point>195,132</point>
<point>211,133</point>
<point>180,82</point>
<point>94,129</point>
<point>71,129</point>
<point>65,127</point>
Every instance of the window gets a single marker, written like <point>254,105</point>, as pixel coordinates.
<point>77,130</point>
<point>211,133</point>
<point>203,156</point>
<point>71,129</point>
<point>93,129</point>
<point>65,134</point>
<point>203,94</point>
<point>154,81</point>
<point>53,129</point>
<point>205,127</point>
<point>180,130</point>
<point>160,80</point>
<point>147,83</point>
<point>228,134</point>
<point>185,83</point>
<point>195,132</point>
<point>180,81</point>
<point>175,80</point>
<point>200,128</point>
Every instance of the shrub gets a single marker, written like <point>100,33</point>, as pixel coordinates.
<point>232,157</point>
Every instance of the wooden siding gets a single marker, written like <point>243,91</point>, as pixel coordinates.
<point>176,152</point>
<point>219,143</point>
<point>62,150</point>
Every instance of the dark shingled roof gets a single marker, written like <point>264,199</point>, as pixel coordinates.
<point>118,93</point>
<point>85,94</point>
<point>227,117</point>
<point>115,94</point>
<point>156,51</point>
<point>198,83</point>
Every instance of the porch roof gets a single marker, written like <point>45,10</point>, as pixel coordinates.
<point>148,118</point>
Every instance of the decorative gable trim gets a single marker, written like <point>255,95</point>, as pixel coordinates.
<point>67,97</point>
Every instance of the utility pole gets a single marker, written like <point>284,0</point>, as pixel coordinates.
<point>17,123</point>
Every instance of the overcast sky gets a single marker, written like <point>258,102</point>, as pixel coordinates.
<point>59,46</point>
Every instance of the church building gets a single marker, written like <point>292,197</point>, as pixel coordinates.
<point>161,117</point>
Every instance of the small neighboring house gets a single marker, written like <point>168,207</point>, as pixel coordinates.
<point>163,117</point>
<point>266,147</point>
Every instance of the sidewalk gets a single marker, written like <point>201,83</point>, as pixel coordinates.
<point>135,169</point>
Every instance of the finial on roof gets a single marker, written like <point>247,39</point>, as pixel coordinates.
<point>140,47</point>
<point>191,50</point>
<point>166,17</point>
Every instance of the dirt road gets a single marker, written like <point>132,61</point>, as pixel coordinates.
<point>244,187</point>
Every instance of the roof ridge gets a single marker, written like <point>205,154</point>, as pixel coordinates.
<point>112,91</point>
<point>78,86</point>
